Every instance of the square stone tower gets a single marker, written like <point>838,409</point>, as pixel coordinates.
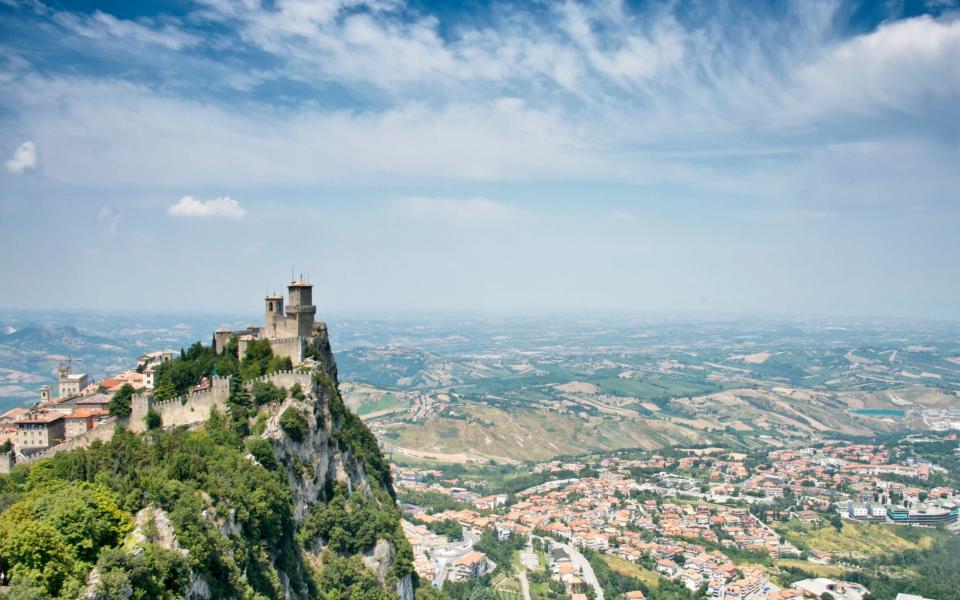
<point>300,310</point>
<point>274,320</point>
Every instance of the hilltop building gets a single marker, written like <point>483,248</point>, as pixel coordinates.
<point>289,329</point>
<point>68,384</point>
<point>40,430</point>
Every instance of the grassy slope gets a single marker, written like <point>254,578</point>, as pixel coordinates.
<point>630,569</point>
<point>865,538</point>
<point>526,434</point>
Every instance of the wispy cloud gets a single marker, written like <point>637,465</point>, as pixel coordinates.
<point>621,216</point>
<point>24,158</point>
<point>218,208</point>
<point>468,210</point>
<point>102,26</point>
<point>111,219</point>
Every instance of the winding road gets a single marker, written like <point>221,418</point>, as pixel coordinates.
<point>524,585</point>
<point>581,564</point>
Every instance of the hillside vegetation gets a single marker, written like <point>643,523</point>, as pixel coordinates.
<point>280,496</point>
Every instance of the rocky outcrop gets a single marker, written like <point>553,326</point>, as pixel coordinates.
<point>152,525</point>
<point>312,464</point>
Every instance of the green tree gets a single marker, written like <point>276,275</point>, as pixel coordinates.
<point>256,359</point>
<point>119,405</point>
<point>153,419</point>
<point>164,390</point>
<point>265,392</point>
<point>294,424</point>
<point>34,551</point>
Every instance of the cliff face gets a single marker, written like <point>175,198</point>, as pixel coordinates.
<point>280,492</point>
<point>333,452</point>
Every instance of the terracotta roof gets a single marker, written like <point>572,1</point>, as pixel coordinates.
<point>41,418</point>
<point>471,558</point>
<point>84,413</point>
<point>14,413</point>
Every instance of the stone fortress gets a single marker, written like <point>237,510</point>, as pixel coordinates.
<point>290,331</point>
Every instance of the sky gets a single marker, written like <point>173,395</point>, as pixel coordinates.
<point>798,158</point>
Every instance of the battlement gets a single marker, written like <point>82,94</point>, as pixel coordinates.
<point>195,407</point>
<point>301,310</point>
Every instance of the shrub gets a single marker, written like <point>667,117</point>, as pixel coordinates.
<point>294,424</point>
<point>153,419</point>
<point>263,452</point>
<point>264,392</point>
<point>297,392</point>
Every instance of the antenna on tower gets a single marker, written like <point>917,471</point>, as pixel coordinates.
<point>291,272</point>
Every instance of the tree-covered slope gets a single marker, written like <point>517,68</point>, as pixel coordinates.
<point>283,495</point>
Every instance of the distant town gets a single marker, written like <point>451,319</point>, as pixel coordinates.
<point>684,517</point>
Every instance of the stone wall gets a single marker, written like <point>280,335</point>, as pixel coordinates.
<point>6,462</point>
<point>186,410</point>
<point>291,347</point>
<point>102,432</point>
<point>196,407</point>
<point>286,379</point>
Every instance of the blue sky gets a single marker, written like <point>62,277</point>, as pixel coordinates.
<point>703,157</point>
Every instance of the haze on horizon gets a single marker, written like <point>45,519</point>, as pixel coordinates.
<point>703,157</point>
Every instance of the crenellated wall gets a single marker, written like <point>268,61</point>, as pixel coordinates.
<point>286,379</point>
<point>188,409</point>
<point>196,407</point>
<point>102,432</point>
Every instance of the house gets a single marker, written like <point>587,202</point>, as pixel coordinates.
<point>93,401</point>
<point>82,420</point>
<point>635,595</point>
<point>40,430</point>
<point>840,590</point>
<point>14,414</point>
<point>669,568</point>
<point>691,579</point>
<point>469,566</point>
<point>155,358</point>
<point>490,502</point>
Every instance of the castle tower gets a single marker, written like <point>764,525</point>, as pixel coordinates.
<point>274,322</point>
<point>301,310</point>
<point>221,337</point>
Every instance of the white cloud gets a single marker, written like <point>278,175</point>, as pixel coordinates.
<point>111,219</point>
<point>469,210</point>
<point>101,25</point>
<point>622,216</point>
<point>578,92</point>
<point>218,208</point>
<point>907,66</point>
<point>24,158</point>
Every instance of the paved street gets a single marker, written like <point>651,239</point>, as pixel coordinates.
<point>524,585</point>
<point>580,563</point>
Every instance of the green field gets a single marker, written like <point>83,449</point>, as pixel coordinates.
<point>651,388</point>
<point>864,538</point>
<point>384,402</point>
<point>814,569</point>
<point>625,567</point>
